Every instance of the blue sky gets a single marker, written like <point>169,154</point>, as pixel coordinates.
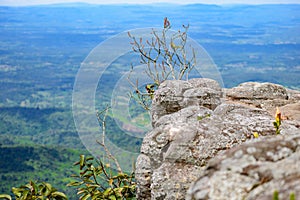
<point>37,2</point>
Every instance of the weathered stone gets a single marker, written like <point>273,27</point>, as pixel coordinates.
<point>189,114</point>
<point>294,95</point>
<point>267,96</point>
<point>202,97</point>
<point>172,179</point>
<point>192,125</point>
<point>175,95</point>
<point>205,83</point>
<point>254,90</point>
<point>291,111</point>
<point>143,177</point>
<point>253,170</point>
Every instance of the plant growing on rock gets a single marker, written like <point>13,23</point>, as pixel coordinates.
<point>165,57</point>
<point>276,195</point>
<point>255,134</point>
<point>277,122</point>
<point>292,196</point>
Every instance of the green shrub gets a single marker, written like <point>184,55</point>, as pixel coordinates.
<point>35,191</point>
<point>97,180</point>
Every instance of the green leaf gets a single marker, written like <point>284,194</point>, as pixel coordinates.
<point>107,192</point>
<point>17,191</point>
<point>292,196</point>
<point>85,197</point>
<point>82,162</point>
<point>24,195</point>
<point>87,176</point>
<point>28,186</point>
<point>93,186</point>
<point>34,188</point>
<point>5,196</point>
<point>122,175</point>
<point>76,183</point>
<point>46,189</point>
<point>275,195</point>
<point>97,196</point>
<point>59,195</point>
<point>81,191</point>
<point>112,197</point>
<point>118,191</point>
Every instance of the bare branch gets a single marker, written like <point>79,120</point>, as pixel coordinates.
<point>102,143</point>
<point>165,57</point>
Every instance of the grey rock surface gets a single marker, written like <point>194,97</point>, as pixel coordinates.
<point>253,170</point>
<point>257,91</point>
<point>174,95</point>
<point>267,96</point>
<point>192,124</point>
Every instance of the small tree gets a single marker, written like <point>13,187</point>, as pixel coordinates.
<point>97,180</point>
<point>165,57</point>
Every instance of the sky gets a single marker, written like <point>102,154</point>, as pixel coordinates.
<point>39,2</point>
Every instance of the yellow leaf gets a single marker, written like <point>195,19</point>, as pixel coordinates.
<point>110,182</point>
<point>255,134</point>
<point>278,115</point>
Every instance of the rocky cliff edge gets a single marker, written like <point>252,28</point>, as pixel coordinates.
<point>204,142</point>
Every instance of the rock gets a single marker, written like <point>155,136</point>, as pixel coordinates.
<point>172,180</point>
<point>252,171</point>
<point>257,91</point>
<point>267,96</point>
<point>143,176</point>
<point>174,95</point>
<point>294,95</point>
<point>291,111</point>
<point>192,125</point>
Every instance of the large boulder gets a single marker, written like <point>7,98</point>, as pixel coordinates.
<point>174,95</point>
<point>252,171</point>
<point>258,91</point>
<point>191,125</point>
<point>267,96</point>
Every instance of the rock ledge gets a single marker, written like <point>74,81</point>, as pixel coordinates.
<point>202,142</point>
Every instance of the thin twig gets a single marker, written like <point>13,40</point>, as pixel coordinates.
<point>163,58</point>
<point>108,153</point>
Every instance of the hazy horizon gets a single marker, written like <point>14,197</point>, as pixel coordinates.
<point>218,2</point>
